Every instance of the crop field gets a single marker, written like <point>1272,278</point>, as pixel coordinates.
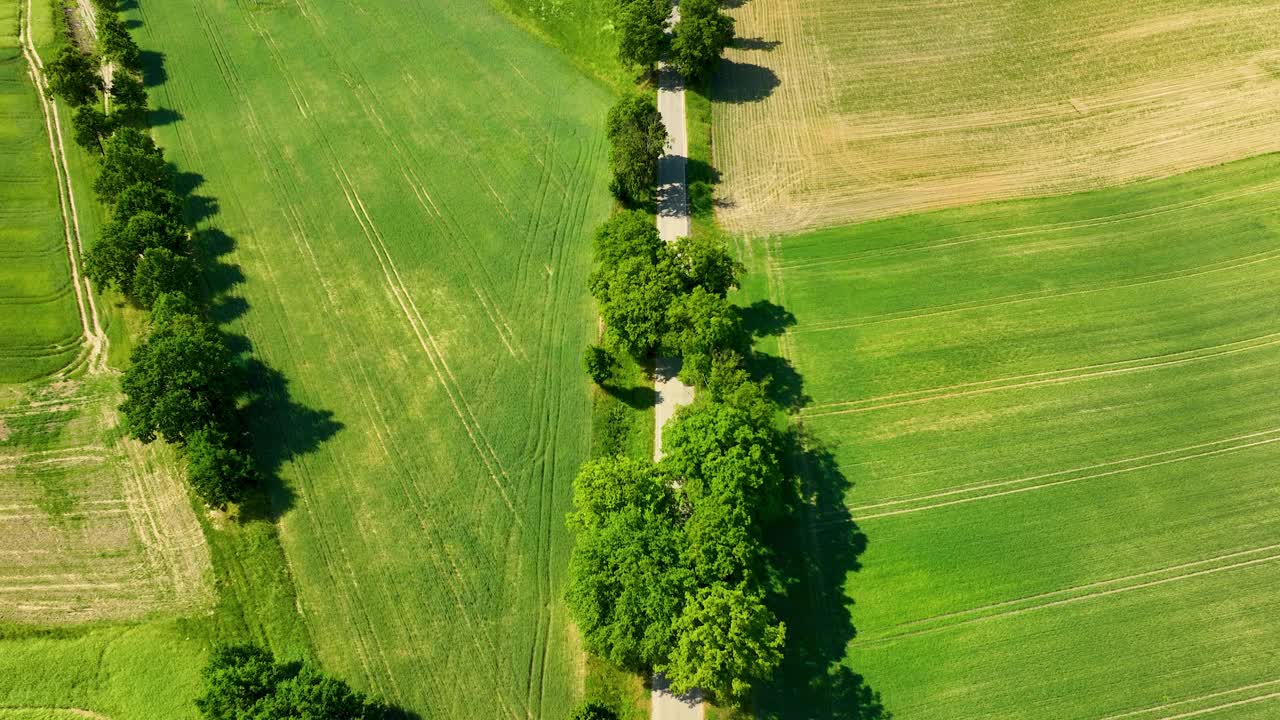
<point>40,330</point>
<point>1058,426</point>
<point>833,111</point>
<point>397,199</point>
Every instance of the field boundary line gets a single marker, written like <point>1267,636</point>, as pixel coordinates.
<point>1220,693</point>
<point>1066,375</point>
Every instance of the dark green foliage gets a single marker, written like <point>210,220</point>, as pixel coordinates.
<point>129,99</point>
<point>593,711</point>
<point>641,34</point>
<point>150,197</point>
<point>161,270</point>
<point>89,126</point>
<point>634,296</point>
<point>243,682</point>
<point>129,157</point>
<point>113,259</point>
<point>599,363</point>
<point>181,380</point>
<point>626,234</point>
<point>636,141</point>
<point>727,639</point>
<point>699,325</point>
<point>169,305</point>
<point>217,471</point>
<point>73,77</point>
<point>698,39</point>
<point>705,260</point>
<point>114,42</point>
<point>627,583</point>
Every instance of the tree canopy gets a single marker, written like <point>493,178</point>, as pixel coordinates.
<point>129,157</point>
<point>244,682</point>
<point>700,324</point>
<point>636,141</point>
<point>593,711</point>
<point>89,126</point>
<point>114,257</point>
<point>641,31</point>
<point>702,33</point>
<point>727,638</point>
<point>181,380</point>
<point>73,77</point>
<point>149,197</point>
<point>705,261</point>
<point>160,270</point>
<point>114,42</point>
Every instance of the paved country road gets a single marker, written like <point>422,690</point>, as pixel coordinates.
<point>673,222</point>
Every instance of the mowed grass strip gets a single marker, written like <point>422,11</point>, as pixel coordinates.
<point>40,330</point>
<point>837,112</point>
<point>1059,426</point>
<point>404,199</point>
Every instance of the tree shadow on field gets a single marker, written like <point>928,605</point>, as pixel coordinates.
<point>153,72</point>
<point>766,319</point>
<point>738,83</point>
<point>163,116</point>
<point>817,553</point>
<point>636,397</point>
<point>755,43</point>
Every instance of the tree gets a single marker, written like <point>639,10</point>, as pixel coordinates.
<point>636,141</point>
<point>145,196</point>
<point>244,682</point>
<point>170,305</point>
<point>705,261</point>
<point>130,98</point>
<point>129,156</point>
<point>114,42</point>
<point>160,270</point>
<point>727,639</point>
<point>114,257</point>
<point>702,33</point>
<point>73,77</point>
<point>217,471</point>
<point>236,679</point>
<point>180,380</point>
<point>627,234</point>
<point>699,325</point>
<point>599,363</point>
<point>593,711</point>
<point>641,31</point>
<point>634,296</point>
<point>627,582</point>
<point>89,126</point>
<point>310,694</point>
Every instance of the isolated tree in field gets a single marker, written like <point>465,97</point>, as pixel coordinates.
<point>129,157</point>
<point>593,711</point>
<point>216,470</point>
<point>129,98</point>
<point>627,584</point>
<point>598,363</point>
<point>641,33</point>
<point>73,77</point>
<point>180,380</point>
<point>627,234</point>
<point>114,42</point>
<point>147,197</point>
<point>243,682</point>
<point>702,33</point>
<point>160,270</point>
<point>699,325</point>
<point>705,260</point>
<point>114,257</point>
<point>727,640</point>
<point>636,140</point>
<point>89,127</point>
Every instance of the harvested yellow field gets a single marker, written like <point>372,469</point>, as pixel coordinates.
<point>835,111</point>
<point>92,525</point>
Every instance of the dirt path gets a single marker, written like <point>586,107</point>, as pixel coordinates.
<point>95,339</point>
<point>90,27</point>
<point>673,223</point>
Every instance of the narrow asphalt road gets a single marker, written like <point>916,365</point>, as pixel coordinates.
<point>673,223</point>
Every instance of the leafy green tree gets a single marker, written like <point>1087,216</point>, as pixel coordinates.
<point>114,257</point>
<point>636,141</point>
<point>89,126</point>
<point>699,325</point>
<point>310,694</point>
<point>702,33</point>
<point>727,640</point>
<point>593,711</point>
<point>627,234</point>
<point>180,380</point>
<point>599,363</point>
<point>160,270</point>
<point>129,98</point>
<point>73,77</point>
<point>129,157</point>
<point>243,682</point>
<point>147,197</point>
<point>114,42</point>
<point>170,305</point>
<point>641,31</point>
<point>627,583</point>
<point>634,296</point>
<point>216,470</point>
<point>236,679</point>
<point>705,261</point>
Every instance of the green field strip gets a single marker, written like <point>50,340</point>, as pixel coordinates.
<point>426,285</point>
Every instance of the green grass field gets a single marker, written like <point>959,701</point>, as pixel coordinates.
<point>404,194</point>
<point>40,331</point>
<point>1056,426</point>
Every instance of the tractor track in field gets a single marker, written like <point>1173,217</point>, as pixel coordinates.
<point>1048,377</point>
<point>935,311</point>
<point>1096,590</point>
<point>94,338</point>
<point>1199,698</point>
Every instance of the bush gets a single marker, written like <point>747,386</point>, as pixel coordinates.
<point>598,363</point>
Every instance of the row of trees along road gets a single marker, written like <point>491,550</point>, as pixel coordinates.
<point>671,570</point>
